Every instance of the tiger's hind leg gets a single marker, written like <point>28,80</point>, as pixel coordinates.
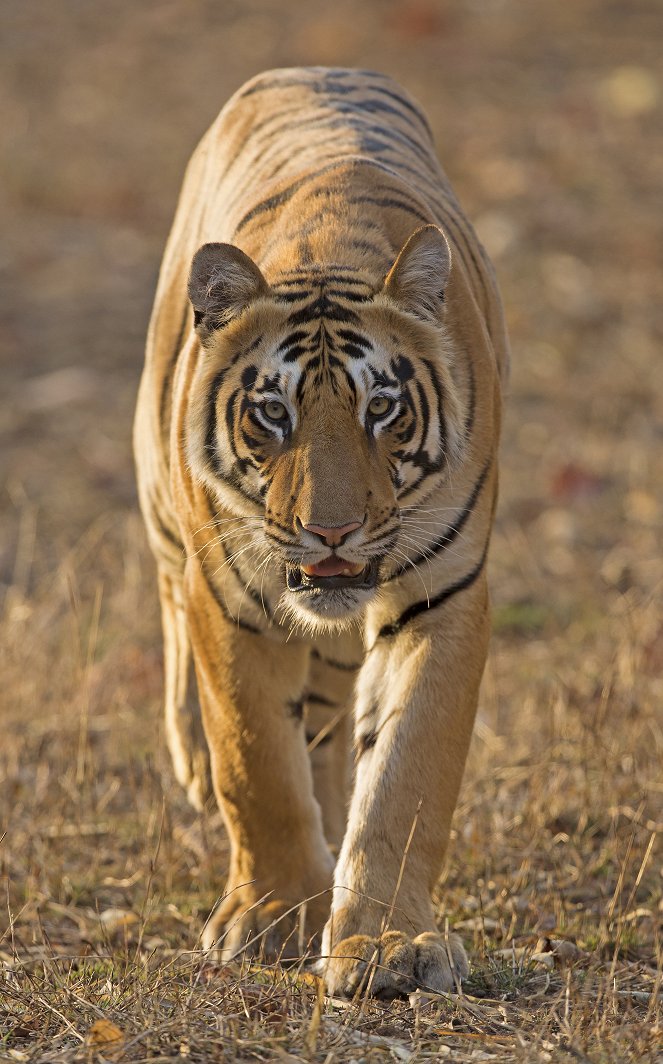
<point>329,707</point>
<point>184,730</point>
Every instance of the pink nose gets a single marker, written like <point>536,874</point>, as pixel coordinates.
<point>333,537</point>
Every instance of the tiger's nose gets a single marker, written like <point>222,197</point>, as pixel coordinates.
<point>333,537</point>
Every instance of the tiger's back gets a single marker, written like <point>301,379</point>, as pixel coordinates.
<point>323,290</point>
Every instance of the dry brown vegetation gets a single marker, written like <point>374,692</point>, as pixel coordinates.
<point>548,120</point>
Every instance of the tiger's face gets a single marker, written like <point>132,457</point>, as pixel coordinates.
<point>321,405</point>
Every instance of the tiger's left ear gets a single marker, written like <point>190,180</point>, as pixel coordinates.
<point>419,276</point>
<point>222,283</point>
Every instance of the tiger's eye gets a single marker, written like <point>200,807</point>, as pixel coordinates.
<point>275,411</point>
<point>380,405</point>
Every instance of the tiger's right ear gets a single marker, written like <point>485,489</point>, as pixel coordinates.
<point>222,282</point>
<point>419,276</point>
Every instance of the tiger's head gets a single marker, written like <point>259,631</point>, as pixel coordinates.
<point>322,404</point>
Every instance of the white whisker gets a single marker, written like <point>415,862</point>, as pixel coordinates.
<point>416,569</point>
<point>248,584</point>
<point>425,550</point>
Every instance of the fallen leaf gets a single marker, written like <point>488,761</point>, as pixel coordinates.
<point>114,920</point>
<point>106,1039</point>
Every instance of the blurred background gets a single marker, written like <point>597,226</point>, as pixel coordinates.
<point>548,121</point>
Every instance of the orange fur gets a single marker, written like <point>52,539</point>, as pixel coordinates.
<point>331,265</point>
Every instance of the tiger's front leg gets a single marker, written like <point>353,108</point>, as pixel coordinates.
<point>417,697</point>
<point>251,689</point>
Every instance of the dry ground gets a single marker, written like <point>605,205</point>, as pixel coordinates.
<point>548,119</point>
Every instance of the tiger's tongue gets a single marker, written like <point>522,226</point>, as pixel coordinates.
<point>332,567</point>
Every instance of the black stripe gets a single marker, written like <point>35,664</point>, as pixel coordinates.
<point>345,666</point>
<point>388,539</point>
<point>168,533</point>
<point>273,116</point>
<point>469,421</point>
<point>452,531</point>
<point>269,520</point>
<point>168,379</point>
<point>244,625</point>
<point>321,275</point>
<point>365,742</point>
<point>312,737</point>
<point>424,410</point>
<point>391,201</point>
<point>293,297</point>
<point>350,384</point>
<point>439,392</point>
<point>462,242</point>
<point>292,338</point>
<point>230,421</point>
<point>352,351</point>
<point>328,82</point>
<point>210,430</point>
<point>294,352</point>
<point>353,297</point>
<point>256,596</point>
<point>320,700</point>
<point>314,271</point>
<point>420,458</point>
<point>323,307</point>
<point>416,608</point>
<point>296,709</point>
<point>412,108</point>
<point>281,542</point>
<point>354,120</point>
<point>251,444</point>
<point>279,198</point>
<point>234,480</point>
<point>369,132</point>
<point>369,247</point>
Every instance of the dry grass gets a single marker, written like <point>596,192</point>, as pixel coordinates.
<point>553,878</point>
<point>549,122</point>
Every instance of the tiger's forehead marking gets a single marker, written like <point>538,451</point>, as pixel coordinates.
<point>326,344</point>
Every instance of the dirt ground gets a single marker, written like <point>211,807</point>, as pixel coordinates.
<point>548,121</point>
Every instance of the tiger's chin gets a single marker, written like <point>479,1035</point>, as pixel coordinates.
<point>329,602</point>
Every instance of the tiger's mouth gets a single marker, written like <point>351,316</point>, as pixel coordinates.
<point>332,573</point>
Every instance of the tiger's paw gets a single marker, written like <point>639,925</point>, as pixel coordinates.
<point>272,928</point>
<point>395,964</point>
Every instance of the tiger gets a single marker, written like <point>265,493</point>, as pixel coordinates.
<point>316,444</point>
